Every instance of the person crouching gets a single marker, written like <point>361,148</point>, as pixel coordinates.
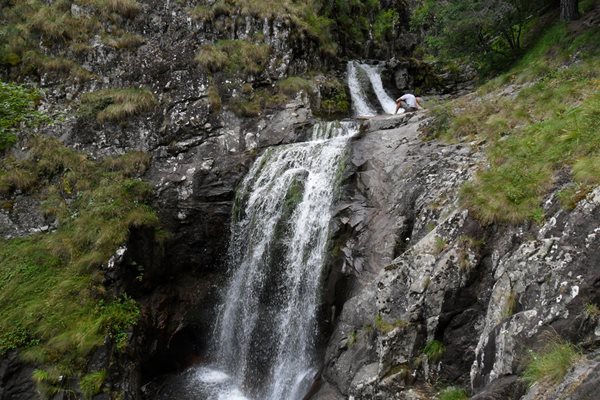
<point>409,102</point>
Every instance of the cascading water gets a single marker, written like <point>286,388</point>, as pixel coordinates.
<point>360,104</point>
<point>374,74</point>
<point>268,327</point>
<point>265,343</point>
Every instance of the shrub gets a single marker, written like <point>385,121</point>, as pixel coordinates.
<point>17,108</point>
<point>552,363</point>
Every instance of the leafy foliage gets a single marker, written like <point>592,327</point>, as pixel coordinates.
<point>17,107</point>
<point>487,32</point>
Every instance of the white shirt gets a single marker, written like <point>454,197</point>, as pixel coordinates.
<point>410,100</point>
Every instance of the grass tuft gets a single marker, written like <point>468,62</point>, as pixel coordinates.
<point>116,105</point>
<point>453,393</point>
<point>386,327</point>
<point>434,350</point>
<point>234,56</point>
<point>91,384</point>
<point>552,363</point>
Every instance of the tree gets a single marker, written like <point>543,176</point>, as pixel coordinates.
<point>487,32</point>
<point>569,10</point>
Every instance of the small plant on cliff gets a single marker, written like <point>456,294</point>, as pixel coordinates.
<point>591,311</point>
<point>551,363</point>
<point>453,393</point>
<point>386,327</point>
<point>91,384</point>
<point>117,104</point>
<point>434,350</point>
<point>234,56</point>
<point>439,245</point>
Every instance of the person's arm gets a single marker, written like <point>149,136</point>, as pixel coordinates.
<point>419,100</point>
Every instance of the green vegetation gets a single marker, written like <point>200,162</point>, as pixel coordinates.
<point>510,307</point>
<point>386,327</point>
<point>335,100</point>
<point>64,310</point>
<point>127,40</point>
<point>352,338</point>
<point>591,310</point>
<point>234,56</point>
<point>17,107</point>
<point>552,363</point>
<point>290,86</point>
<point>117,104</point>
<point>434,350</point>
<point>30,24</point>
<point>439,245</point>
<point>352,22</point>
<point>91,384</point>
<point>453,393</point>
<point>489,33</point>
<point>549,125</point>
<point>301,13</point>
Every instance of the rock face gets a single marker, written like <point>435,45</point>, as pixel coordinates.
<point>427,275</point>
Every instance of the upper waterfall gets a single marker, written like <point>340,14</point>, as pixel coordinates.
<point>374,74</point>
<point>360,104</point>
<point>363,77</point>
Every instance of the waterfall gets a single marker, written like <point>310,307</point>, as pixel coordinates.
<point>267,334</point>
<point>359,100</point>
<point>374,74</point>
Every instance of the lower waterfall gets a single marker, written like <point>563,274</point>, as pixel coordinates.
<point>265,341</point>
<point>277,254</point>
